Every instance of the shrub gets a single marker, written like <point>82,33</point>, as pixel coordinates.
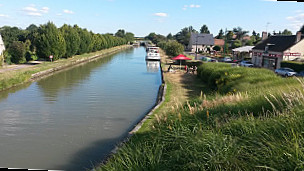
<point>173,48</point>
<point>17,52</point>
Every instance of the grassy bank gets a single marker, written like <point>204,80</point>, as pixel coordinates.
<point>14,77</point>
<point>244,119</point>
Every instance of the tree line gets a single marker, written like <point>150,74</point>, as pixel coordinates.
<point>47,40</point>
<point>234,38</point>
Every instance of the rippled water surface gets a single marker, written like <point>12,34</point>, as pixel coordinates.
<point>73,118</point>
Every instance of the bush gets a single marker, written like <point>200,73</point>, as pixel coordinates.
<point>17,52</point>
<point>217,48</point>
<point>173,48</point>
<point>297,66</point>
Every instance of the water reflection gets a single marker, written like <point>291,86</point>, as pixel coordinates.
<point>6,93</point>
<point>64,81</point>
<point>153,66</point>
<point>73,118</point>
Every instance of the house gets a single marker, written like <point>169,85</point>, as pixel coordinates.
<point>275,49</point>
<point>2,48</point>
<point>200,42</point>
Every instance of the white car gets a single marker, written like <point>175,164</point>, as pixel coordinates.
<point>287,72</point>
<point>246,64</point>
<point>227,59</point>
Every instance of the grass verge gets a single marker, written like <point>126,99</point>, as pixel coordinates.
<point>252,119</point>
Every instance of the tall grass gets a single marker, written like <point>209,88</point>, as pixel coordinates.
<point>255,122</point>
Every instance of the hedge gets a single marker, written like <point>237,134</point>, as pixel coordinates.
<point>297,66</point>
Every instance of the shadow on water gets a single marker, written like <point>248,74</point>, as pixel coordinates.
<point>4,94</point>
<point>66,79</point>
<point>91,155</point>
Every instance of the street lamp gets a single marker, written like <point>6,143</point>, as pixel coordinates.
<point>197,36</point>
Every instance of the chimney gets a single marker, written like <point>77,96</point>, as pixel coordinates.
<point>264,35</point>
<point>298,36</point>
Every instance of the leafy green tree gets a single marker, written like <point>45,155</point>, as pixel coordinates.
<point>72,40</point>
<point>239,32</point>
<point>129,37</point>
<point>302,29</point>
<point>169,36</point>
<point>204,29</point>
<point>220,35</point>
<point>50,42</point>
<point>229,35</point>
<point>173,48</point>
<point>17,52</point>
<point>249,42</point>
<point>184,35</point>
<point>10,34</point>
<point>254,33</point>
<point>286,32</point>
<point>217,48</point>
<point>120,33</point>
<point>236,44</point>
<point>85,41</point>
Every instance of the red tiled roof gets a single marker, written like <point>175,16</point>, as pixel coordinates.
<point>219,42</point>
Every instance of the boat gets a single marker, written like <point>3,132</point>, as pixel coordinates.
<point>153,53</point>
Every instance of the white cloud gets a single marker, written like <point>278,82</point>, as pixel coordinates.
<point>161,14</point>
<point>191,6</point>
<point>59,14</point>
<point>1,5</point>
<point>4,16</point>
<point>68,11</point>
<point>194,6</point>
<point>297,21</point>
<point>270,0</point>
<point>32,10</point>
<point>45,9</point>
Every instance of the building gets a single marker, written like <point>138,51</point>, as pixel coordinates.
<point>242,52</point>
<point>2,48</point>
<point>275,49</point>
<point>200,42</point>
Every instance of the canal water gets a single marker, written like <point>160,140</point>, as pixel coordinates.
<point>73,119</point>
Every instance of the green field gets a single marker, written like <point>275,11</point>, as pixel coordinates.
<point>244,119</point>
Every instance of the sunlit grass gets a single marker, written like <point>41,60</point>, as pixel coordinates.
<point>254,120</point>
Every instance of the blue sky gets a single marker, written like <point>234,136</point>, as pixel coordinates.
<point>161,16</point>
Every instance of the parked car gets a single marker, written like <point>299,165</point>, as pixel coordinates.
<point>300,74</point>
<point>246,64</point>
<point>227,59</point>
<point>287,72</point>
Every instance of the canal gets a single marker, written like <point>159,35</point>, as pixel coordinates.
<point>72,119</point>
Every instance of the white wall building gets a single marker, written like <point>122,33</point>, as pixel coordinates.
<point>2,47</point>
<point>275,49</point>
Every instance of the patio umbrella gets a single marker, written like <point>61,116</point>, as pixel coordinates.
<point>181,57</point>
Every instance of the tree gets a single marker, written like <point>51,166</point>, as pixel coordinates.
<point>204,29</point>
<point>120,33</point>
<point>302,29</point>
<point>72,40</point>
<point>10,34</point>
<point>236,44</point>
<point>129,37</point>
<point>50,42</point>
<point>254,33</point>
<point>169,36</point>
<point>220,35</point>
<point>240,33</point>
<point>229,35</point>
<point>17,52</point>
<point>85,41</point>
<point>173,48</point>
<point>217,48</point>
<point>286,32</point>
<point>184,35</point>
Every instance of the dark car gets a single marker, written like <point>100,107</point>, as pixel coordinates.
<point>300,74</point>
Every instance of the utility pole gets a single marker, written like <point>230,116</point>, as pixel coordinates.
<point>196,45</point>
